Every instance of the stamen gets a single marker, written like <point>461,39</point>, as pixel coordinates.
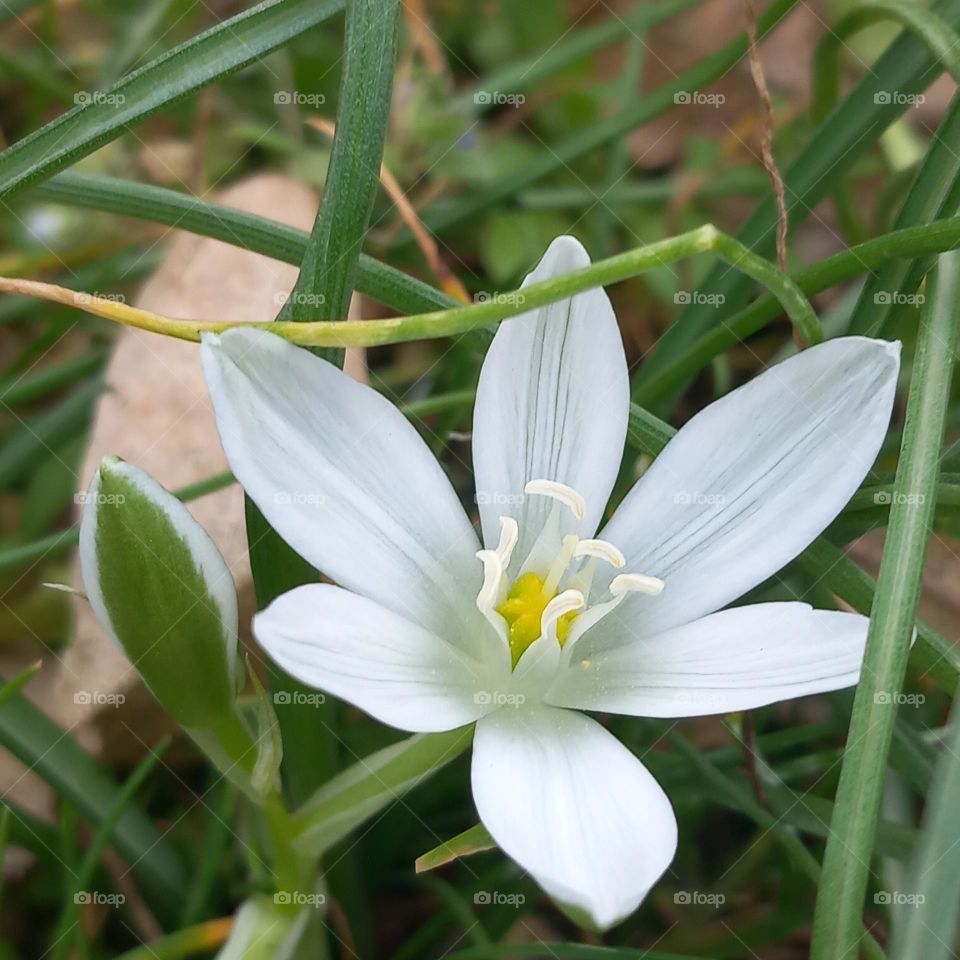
<point>491,593</point>
<point>636,583</point>
<point>562,605</point>
<point>602,550</point>
<point>509,534</point>
<point>559,566</point>
<point>558,491</point>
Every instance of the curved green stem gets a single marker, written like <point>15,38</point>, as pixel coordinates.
<point>445,323</point>
<point>911,242</point>
<point>937,35</point>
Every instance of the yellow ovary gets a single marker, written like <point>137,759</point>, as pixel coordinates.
<point>523,611</point>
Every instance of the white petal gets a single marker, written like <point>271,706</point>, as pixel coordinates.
<point>355,649</point>
<point>346,481</point>
<point>752,479</point>
<point>736,659</point>
<point>552,404</point>
<point>573,807</point>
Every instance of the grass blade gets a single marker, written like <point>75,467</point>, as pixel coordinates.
<point>70,771</point>
<point>837,919</point>
<point>104,116</point>
<point>246,230</point>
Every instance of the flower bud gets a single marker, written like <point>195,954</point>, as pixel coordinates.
<point>161,589</point>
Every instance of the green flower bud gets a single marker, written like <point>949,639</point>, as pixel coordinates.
<point>161,589</point>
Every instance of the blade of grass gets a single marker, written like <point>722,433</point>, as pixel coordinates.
<point>323,291</point>
<point>61,939</point>
<point>47,431</point>
<point>21,390</point>
<point>930,197</point>
<point>161,205</point>
<point>837,918</point>
<point>103,116</point>
<point>739,796</point>
<point>70,771</point>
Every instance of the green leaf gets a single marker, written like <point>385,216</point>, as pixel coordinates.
<point>246,230</point>
<point>475,839</point>
<point>17,683</point>
<point>161,589</point>
<point>932,196</point>
<point>105,115</point>
<point>836,931</point>
<point>75,776</point>
<point>46,431</point>
<point>323,290</point>
<point>68,928</point>
<point>372,784</point>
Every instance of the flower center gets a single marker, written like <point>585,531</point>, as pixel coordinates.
<point>523,611</point>
<point>545,598</point>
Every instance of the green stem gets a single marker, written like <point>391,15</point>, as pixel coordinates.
<point>931,238</point>
<point>837,931</point>
<point>445,323</point>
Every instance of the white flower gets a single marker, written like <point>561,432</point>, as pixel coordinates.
<point>549,621</point>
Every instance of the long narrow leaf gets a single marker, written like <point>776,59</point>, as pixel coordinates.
<point>836,931</point>
<point>104,115</point>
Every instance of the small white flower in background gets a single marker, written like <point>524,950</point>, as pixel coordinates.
<point>551,620</point>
